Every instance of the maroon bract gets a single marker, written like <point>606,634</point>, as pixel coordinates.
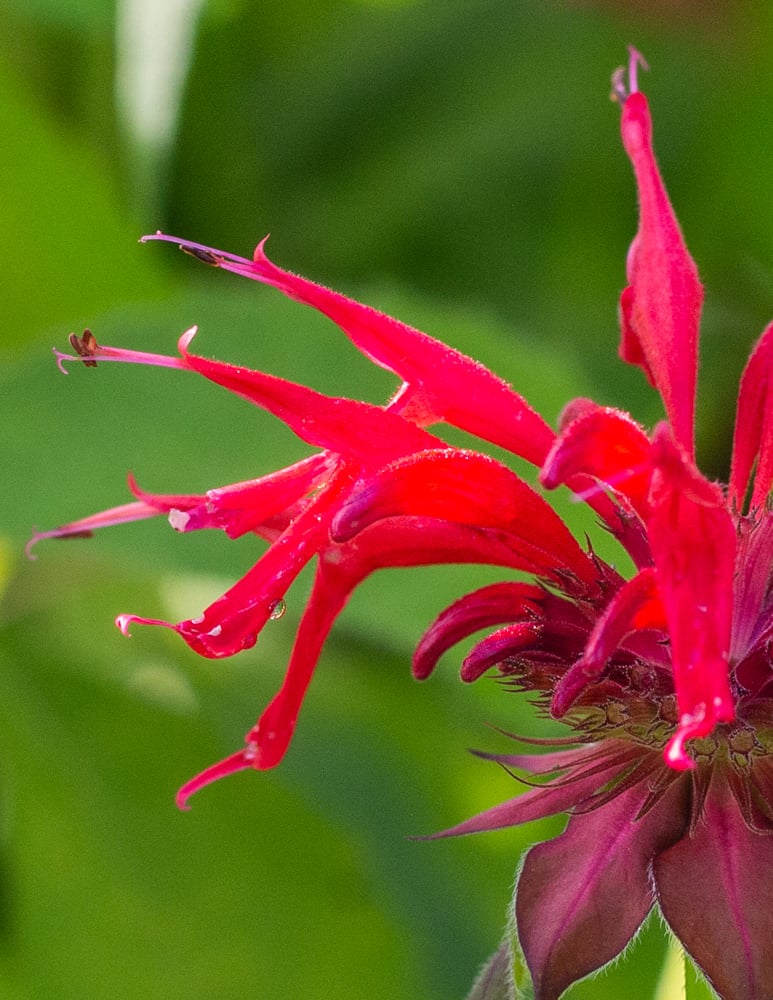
<point>665,679</point>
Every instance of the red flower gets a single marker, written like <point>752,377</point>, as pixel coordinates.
<point>679,657</point>
<point>665,679</point>
<point>382,491</point>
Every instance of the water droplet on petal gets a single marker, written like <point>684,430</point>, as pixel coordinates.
<point>276,609</point>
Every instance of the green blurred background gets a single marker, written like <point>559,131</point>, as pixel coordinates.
<point>456,163</point>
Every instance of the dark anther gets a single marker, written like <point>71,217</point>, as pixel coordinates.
<point>625,79</point>
<point>85,347</point>
<point>620,91</point>
<point>205,256</point>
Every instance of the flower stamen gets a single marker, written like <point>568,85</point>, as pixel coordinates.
<point>622,88</point>
<point>85,347</point>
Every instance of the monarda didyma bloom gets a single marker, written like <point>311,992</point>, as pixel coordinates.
<point>664,679</point>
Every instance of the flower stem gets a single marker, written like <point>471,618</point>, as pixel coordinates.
<point>672,984</point>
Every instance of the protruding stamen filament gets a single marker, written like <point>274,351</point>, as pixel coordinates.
<point>88,351</point>
<point>622,88</point>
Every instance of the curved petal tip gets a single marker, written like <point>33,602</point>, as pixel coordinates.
<point>690,726</point>
<point>124,621</point>
<point>236,762</point>
<point>185,338</point>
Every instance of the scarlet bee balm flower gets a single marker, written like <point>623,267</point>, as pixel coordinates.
<point>382,491</point>
<point>664,679</point>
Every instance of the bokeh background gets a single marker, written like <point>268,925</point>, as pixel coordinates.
<point>455,163</point>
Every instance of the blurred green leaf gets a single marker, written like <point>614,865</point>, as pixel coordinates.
<point>85,15</point>
<point>97,731</point>
<point>66,238</point>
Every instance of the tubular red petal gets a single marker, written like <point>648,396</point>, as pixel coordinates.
<point>604,443</point>
<point>465,486</point>
<point>232,622</point>
<point>753,439</point>
<point>424,541</point>
<point>249,506</point>
<point>164,502</point>
<point>441,383</point>
<point>346,426</point>
<point>693,542</point>
<point>444,383</point>
<point>753,585</point>
<point>282,487</point>
<point>498,646</point>
<point>273,732</point>
<point>492,605</point>
<point>616,511</point>
<point>660,310</point>
<point>236,762</point>
<point>86,526</point>
<point>611,627</point>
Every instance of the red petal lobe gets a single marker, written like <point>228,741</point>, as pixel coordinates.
<point>440,383</point>
<point>498,646</point>
<point>660,310</point>
<point>611,627</point>
<point>492,605</point>
<point>606,444</point>
<point>693,542</point>
<point>471,488</point>
<point>361,430</point>
<point>753,439</point>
